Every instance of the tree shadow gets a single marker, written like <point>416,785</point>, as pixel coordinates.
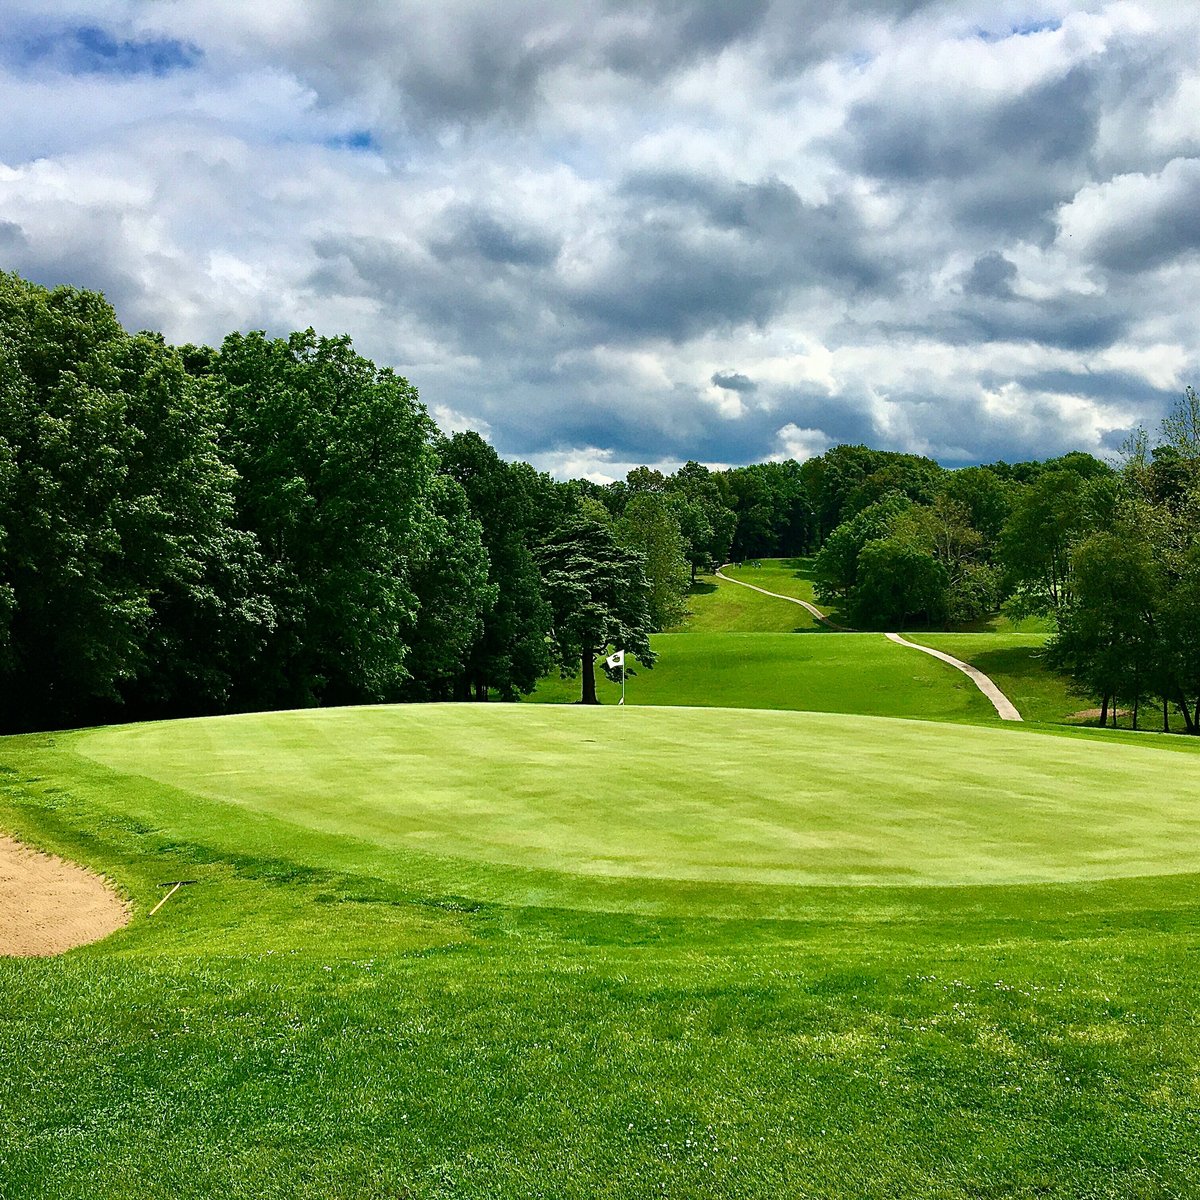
<point>802,568</point>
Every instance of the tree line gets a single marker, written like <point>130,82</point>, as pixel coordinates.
<point>277,522</point>
<point>273,523</point>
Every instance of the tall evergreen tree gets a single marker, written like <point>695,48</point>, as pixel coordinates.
<point>599,600</point>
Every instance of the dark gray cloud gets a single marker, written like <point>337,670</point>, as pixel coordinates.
<point>472,233</point>
<point>925,139</point>
<point>991,275</point>
<point>731,381</point>
<point>12,237</point>
<point>1160,225</point>
<point>695,255</point>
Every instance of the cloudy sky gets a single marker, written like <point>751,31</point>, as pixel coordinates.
<point>605,233</point>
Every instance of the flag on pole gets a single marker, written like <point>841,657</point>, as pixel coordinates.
<point>615,660</point>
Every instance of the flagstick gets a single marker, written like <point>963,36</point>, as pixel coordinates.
<point>622,680</point>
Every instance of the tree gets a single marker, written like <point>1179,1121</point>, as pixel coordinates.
<point>124,586</point>
<point>944,531</point>
<point>897,585</point>
<point>706,521</point>
<point>831,478</point>
<point>1047,519</point>
<point>335,477</point>
<point>449,577</point>
<point>987,499</point>
<point>599,599</point>
<point>509,654</point>
<point>774,515</point>
<point>1107,631</point>
<point>835,571</point>
<point>1179,635</point>
<point>650,527</point>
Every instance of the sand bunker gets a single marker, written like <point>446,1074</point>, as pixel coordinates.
<point>48,905</point>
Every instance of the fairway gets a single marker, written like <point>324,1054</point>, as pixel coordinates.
<point>665,796</point>
<point>817,672</point>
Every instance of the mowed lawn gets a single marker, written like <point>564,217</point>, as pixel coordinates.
<point>716,606</point>
<point>1015,662</point>
<point>819,672</point>
<point>787,576</point>
<point>485,951</point>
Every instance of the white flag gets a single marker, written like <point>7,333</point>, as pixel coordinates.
<point>615,660</point>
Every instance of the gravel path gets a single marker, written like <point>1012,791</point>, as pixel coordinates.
<point>1005,709</point>
<point>48,905</point>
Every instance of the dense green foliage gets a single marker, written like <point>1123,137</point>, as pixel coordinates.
<point>277,522</point>
<point>1128,616</point>
<point>125,579</point>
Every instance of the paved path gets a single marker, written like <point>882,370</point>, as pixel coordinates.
<point>1005,709</point>
<point>812,608</point>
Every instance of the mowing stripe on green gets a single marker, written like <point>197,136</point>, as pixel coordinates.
<point>704,796</point>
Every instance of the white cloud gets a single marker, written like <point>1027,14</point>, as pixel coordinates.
<point>561,224</point>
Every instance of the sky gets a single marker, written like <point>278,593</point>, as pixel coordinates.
<point>609,233</point>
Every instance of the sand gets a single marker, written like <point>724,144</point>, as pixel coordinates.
<point>48,905</point>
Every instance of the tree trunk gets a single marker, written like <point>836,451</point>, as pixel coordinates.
<point>1103,711</point>
<point>1166,717</point>
<point>1189,726</point>
<point>589,678</point>
<point>1135,711</point>
<point>481,690</point>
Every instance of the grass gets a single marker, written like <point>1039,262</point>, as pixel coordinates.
<point>839,673</point>
<point>785,576</point>
<point>560,992</point>
<point>511,951</point>
<point>1014,662</point>
<point>719,607</point>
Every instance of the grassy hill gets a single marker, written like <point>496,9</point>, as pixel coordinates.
<point>844,673</point>
<point>787,576</point>
<point>719,607</point>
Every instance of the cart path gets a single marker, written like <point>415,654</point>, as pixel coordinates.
<point>812,608</point>
<point>1006,710</point>
<point>1004,707</point>
<point>48,905</point>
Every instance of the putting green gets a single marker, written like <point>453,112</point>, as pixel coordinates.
<point>680,796</point>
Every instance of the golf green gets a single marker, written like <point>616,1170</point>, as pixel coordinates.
<point>699,796</point>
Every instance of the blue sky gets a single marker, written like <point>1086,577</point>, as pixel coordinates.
<point>612,233</point>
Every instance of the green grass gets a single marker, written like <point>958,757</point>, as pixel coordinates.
<point>1014,662</point>
<point>509,951</point>
<point>484,951</point>
<point>786,576</point>
<point>785,799</point>
<point>840,673</point>
<point>715,606</point>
